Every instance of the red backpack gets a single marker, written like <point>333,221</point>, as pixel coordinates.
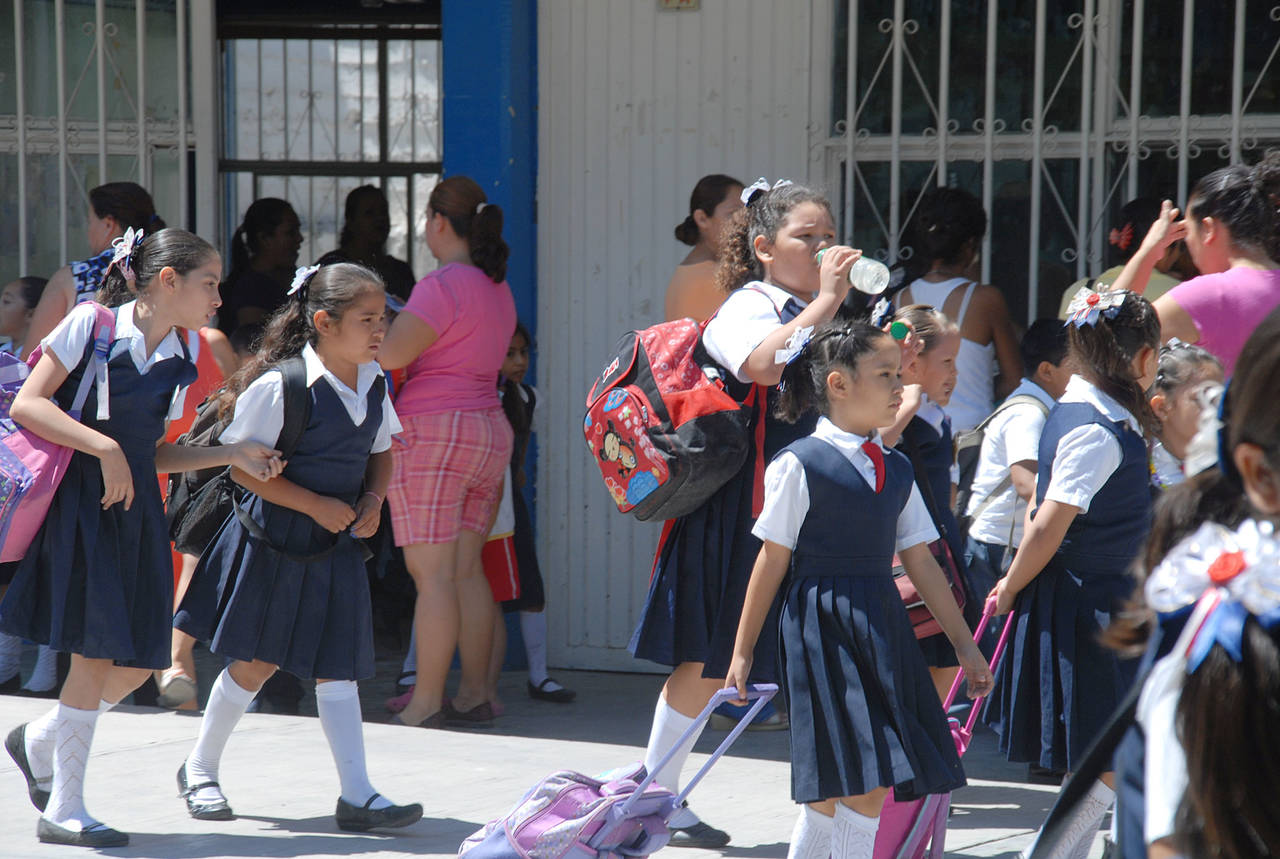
<point>660,425</point>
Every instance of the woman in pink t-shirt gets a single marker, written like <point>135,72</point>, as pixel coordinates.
<point>451,458</point>
<point>1232,231</point>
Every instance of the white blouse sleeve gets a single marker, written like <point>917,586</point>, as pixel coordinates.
<point>259,414</point>
<point>786,501</point>
<point>68,340</point>
<point>389,426</point>
<point>1086,458</point>
<point>1165,762</point>
<point>915,525</point>
<point>743,321</point>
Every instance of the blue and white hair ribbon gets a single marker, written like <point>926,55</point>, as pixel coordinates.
<point>124,247</point>
<point>301,276</point>
<point>761,186</point>
<point>1087,306</point>
<point>1238,571</point>
<point>795,345</point>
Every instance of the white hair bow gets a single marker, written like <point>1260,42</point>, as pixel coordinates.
<point>301,276</point>
<point>762,186</point>
<point>1239,571</point>
<point>795,344</point>
<point>1087,306</point>
<point>125,246</point>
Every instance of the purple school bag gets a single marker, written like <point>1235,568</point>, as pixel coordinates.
<point>568,815</point>
<point>31,467</point>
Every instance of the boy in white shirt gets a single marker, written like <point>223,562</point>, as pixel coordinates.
<point>1006,474</point>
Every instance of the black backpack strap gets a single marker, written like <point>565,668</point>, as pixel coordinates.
<point>297,405</point>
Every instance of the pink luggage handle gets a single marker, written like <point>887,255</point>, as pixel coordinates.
<point>761,693</point>
<point>987,616</point>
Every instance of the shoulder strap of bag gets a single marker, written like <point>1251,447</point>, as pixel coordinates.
<point>104,329</point>
<point>297,405</point>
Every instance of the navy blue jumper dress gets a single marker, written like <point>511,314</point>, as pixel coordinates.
<point>1059,684</point>
<point>100,582</point>
<point>301,603</point>
<point>935,452</point>
<point>704,560</point>
<point>864,713</point>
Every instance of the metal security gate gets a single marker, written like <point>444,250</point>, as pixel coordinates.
<point>314,108</point>
<point>96,92</point>
<point>1054,113</point>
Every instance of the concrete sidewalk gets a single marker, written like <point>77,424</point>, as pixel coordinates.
<point>280,779</point>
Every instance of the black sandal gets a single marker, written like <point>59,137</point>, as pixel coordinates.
<point>216,810</point>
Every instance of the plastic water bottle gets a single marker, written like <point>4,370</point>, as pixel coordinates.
<point>867,275</point>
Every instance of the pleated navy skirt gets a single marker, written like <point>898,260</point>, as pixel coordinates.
<point>864,713</point>
<point>250,600</point>
<point>700,583</point>
<point>1058,684</point>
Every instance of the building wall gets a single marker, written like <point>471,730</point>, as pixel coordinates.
<point>635,104</point>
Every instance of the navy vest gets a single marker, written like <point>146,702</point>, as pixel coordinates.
<point>139,402</point>
<point>1106,539</point>
<point>851,530</point>
<point>332,455</point>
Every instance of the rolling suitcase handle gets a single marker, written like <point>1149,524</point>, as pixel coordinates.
<point>988,615</point>
<point>761,693</point>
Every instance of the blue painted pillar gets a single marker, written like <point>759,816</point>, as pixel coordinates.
<point>490,120</point>
<point>491,134</point>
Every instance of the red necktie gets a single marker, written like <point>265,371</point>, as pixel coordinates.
<point>871,449</point>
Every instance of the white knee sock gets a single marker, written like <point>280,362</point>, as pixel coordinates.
<point>811,837</point>
<point>41,736</point>
<point>10,656</point>
<point>533,629</point>
<point>45,674</point>
<point>668,725</point>
<point>338,703</point>
<point>1085,821</point>
<point>227,703</point>
<point>70,754</point>
<point>853,835</point>
<point>410,665</point>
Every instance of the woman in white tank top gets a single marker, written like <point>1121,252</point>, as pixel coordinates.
<point>946,235</point>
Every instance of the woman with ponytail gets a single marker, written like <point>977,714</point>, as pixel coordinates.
<point>113,209</point>
<point>693,291</point>
<point>453,336</point>
<point>264,252</point>
<point>1232,231</point>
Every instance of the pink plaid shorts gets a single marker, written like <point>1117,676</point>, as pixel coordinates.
<point>447,475</point>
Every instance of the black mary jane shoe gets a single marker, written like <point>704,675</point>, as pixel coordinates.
<point>216,810</point>
<point>555,696</point>
<point>16,745</point>
<point>97,835</point>
<point>355,818</point>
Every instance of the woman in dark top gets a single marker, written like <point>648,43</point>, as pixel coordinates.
<point>366,225</point>
<point>264,254</point>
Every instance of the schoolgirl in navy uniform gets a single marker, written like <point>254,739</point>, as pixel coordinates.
<point>97,581</point>
<point>773,287</point>
<point>298,599</point>
<point>1060,684</point>
<point>838,505</point>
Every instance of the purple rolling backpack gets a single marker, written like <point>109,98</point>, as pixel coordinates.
<point>568,815</point>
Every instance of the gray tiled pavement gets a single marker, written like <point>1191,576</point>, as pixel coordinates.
<point>279,778</point>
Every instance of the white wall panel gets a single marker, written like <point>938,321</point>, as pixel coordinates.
<point>635,104</point>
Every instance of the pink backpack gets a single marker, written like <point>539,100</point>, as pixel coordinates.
<point>31,467</point>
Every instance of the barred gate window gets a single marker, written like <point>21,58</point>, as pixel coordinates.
<point>312,111</point>
<point>84,99</point>
<point>1053,113</point>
